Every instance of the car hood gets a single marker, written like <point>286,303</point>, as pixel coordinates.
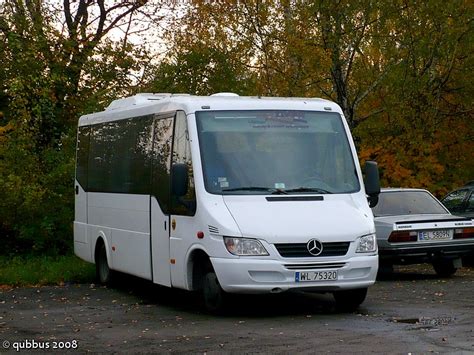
<point>336,218</point>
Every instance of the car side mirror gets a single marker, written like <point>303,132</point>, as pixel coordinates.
<point>372,182</point>
<point>179,179</point>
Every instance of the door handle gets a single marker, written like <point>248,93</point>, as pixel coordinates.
<point>77,189</point>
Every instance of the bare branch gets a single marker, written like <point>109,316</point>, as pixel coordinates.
<point>370,114</point>
<point>374,84</point>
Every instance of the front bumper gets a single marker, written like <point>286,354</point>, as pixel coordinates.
<point>415,253</point>
<point>252,275</point>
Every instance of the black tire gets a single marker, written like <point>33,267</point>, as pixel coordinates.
<point>102,269</point>
<point>349,300</point>
<point>385,270</point>
<point>468,260</point>
<point>213,294</point>
<point>444,268</point>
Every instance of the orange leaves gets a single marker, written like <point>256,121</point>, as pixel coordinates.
<point>393,172</point>
<point>407,164</point>
<point>4,130</point>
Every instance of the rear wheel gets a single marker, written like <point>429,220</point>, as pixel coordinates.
<point>349,300</point>
<point>385,270</point>
<point>468,260</point>
<point>213,294</point>
<point>444,268</point>
<point>103,272</point>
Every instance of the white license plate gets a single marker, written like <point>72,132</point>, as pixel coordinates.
<point>442,234</point>
<point>312,276</point>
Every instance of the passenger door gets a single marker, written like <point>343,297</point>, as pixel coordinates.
<point>183,224</point>
<point>160,198</point>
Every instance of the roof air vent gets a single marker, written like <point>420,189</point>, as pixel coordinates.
<point>136,100</point>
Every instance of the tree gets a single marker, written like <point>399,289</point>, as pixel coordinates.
<point>399,71</point>
<point>59,61</point>
<point>424,98</point>
<point>204,57</point>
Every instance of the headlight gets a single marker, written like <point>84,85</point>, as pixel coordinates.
<point>244,246</point>
<point>367,244</point>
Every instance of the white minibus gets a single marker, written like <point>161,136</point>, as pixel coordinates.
<point>226,194</point>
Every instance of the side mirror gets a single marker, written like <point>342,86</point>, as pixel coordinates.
<point>372,182</point>
<point>179,179</point>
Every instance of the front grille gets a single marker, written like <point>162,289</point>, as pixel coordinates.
<point>300,250</point>
<point>314,266</point>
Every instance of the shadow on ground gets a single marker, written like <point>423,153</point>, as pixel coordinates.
<point>414,273</point>
<point>268,305</point>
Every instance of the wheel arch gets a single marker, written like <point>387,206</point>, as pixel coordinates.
<point>102,240</point>
<point>198,263</point>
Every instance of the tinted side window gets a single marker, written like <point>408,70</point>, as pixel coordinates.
<point>184,205</point>
<point>120,156</point>
<point>101,152</point>
<point>454,200</point>
<point>82,152</point>
<point>162,144</point>
<point>138,162</point>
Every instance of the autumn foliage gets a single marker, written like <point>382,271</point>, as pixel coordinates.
<point>400,70</point>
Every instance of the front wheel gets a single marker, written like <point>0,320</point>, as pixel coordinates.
<point>349,300</point>
<point>444,268</point>
<point>213,294</point>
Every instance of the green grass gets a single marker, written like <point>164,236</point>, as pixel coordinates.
<point>44,270</point>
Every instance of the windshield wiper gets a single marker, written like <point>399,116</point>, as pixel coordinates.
<point>309,189</point>
<point>272,190</point>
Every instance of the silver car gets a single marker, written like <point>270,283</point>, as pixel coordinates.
<point>414,227</point>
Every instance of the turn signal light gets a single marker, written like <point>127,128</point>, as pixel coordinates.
<point>402,237</point>
<point>463,233</point>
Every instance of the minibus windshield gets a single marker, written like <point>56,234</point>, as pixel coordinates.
<point>275,152</point>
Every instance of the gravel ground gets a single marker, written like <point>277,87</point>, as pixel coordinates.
<point>412,311</point>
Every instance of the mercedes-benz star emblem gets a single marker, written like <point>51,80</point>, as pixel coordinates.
<point>315,247</point>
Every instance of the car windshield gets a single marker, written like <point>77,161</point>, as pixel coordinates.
<point>393,203</point>
<point>275,152</point>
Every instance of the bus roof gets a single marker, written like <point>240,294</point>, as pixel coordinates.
<point>148,103</point>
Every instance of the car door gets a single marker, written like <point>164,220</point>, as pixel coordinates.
<point>469,211</point>
<point>455,201</point>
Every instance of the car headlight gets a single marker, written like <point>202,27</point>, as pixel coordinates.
<point>367,244</point>
<point>244,246</point>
